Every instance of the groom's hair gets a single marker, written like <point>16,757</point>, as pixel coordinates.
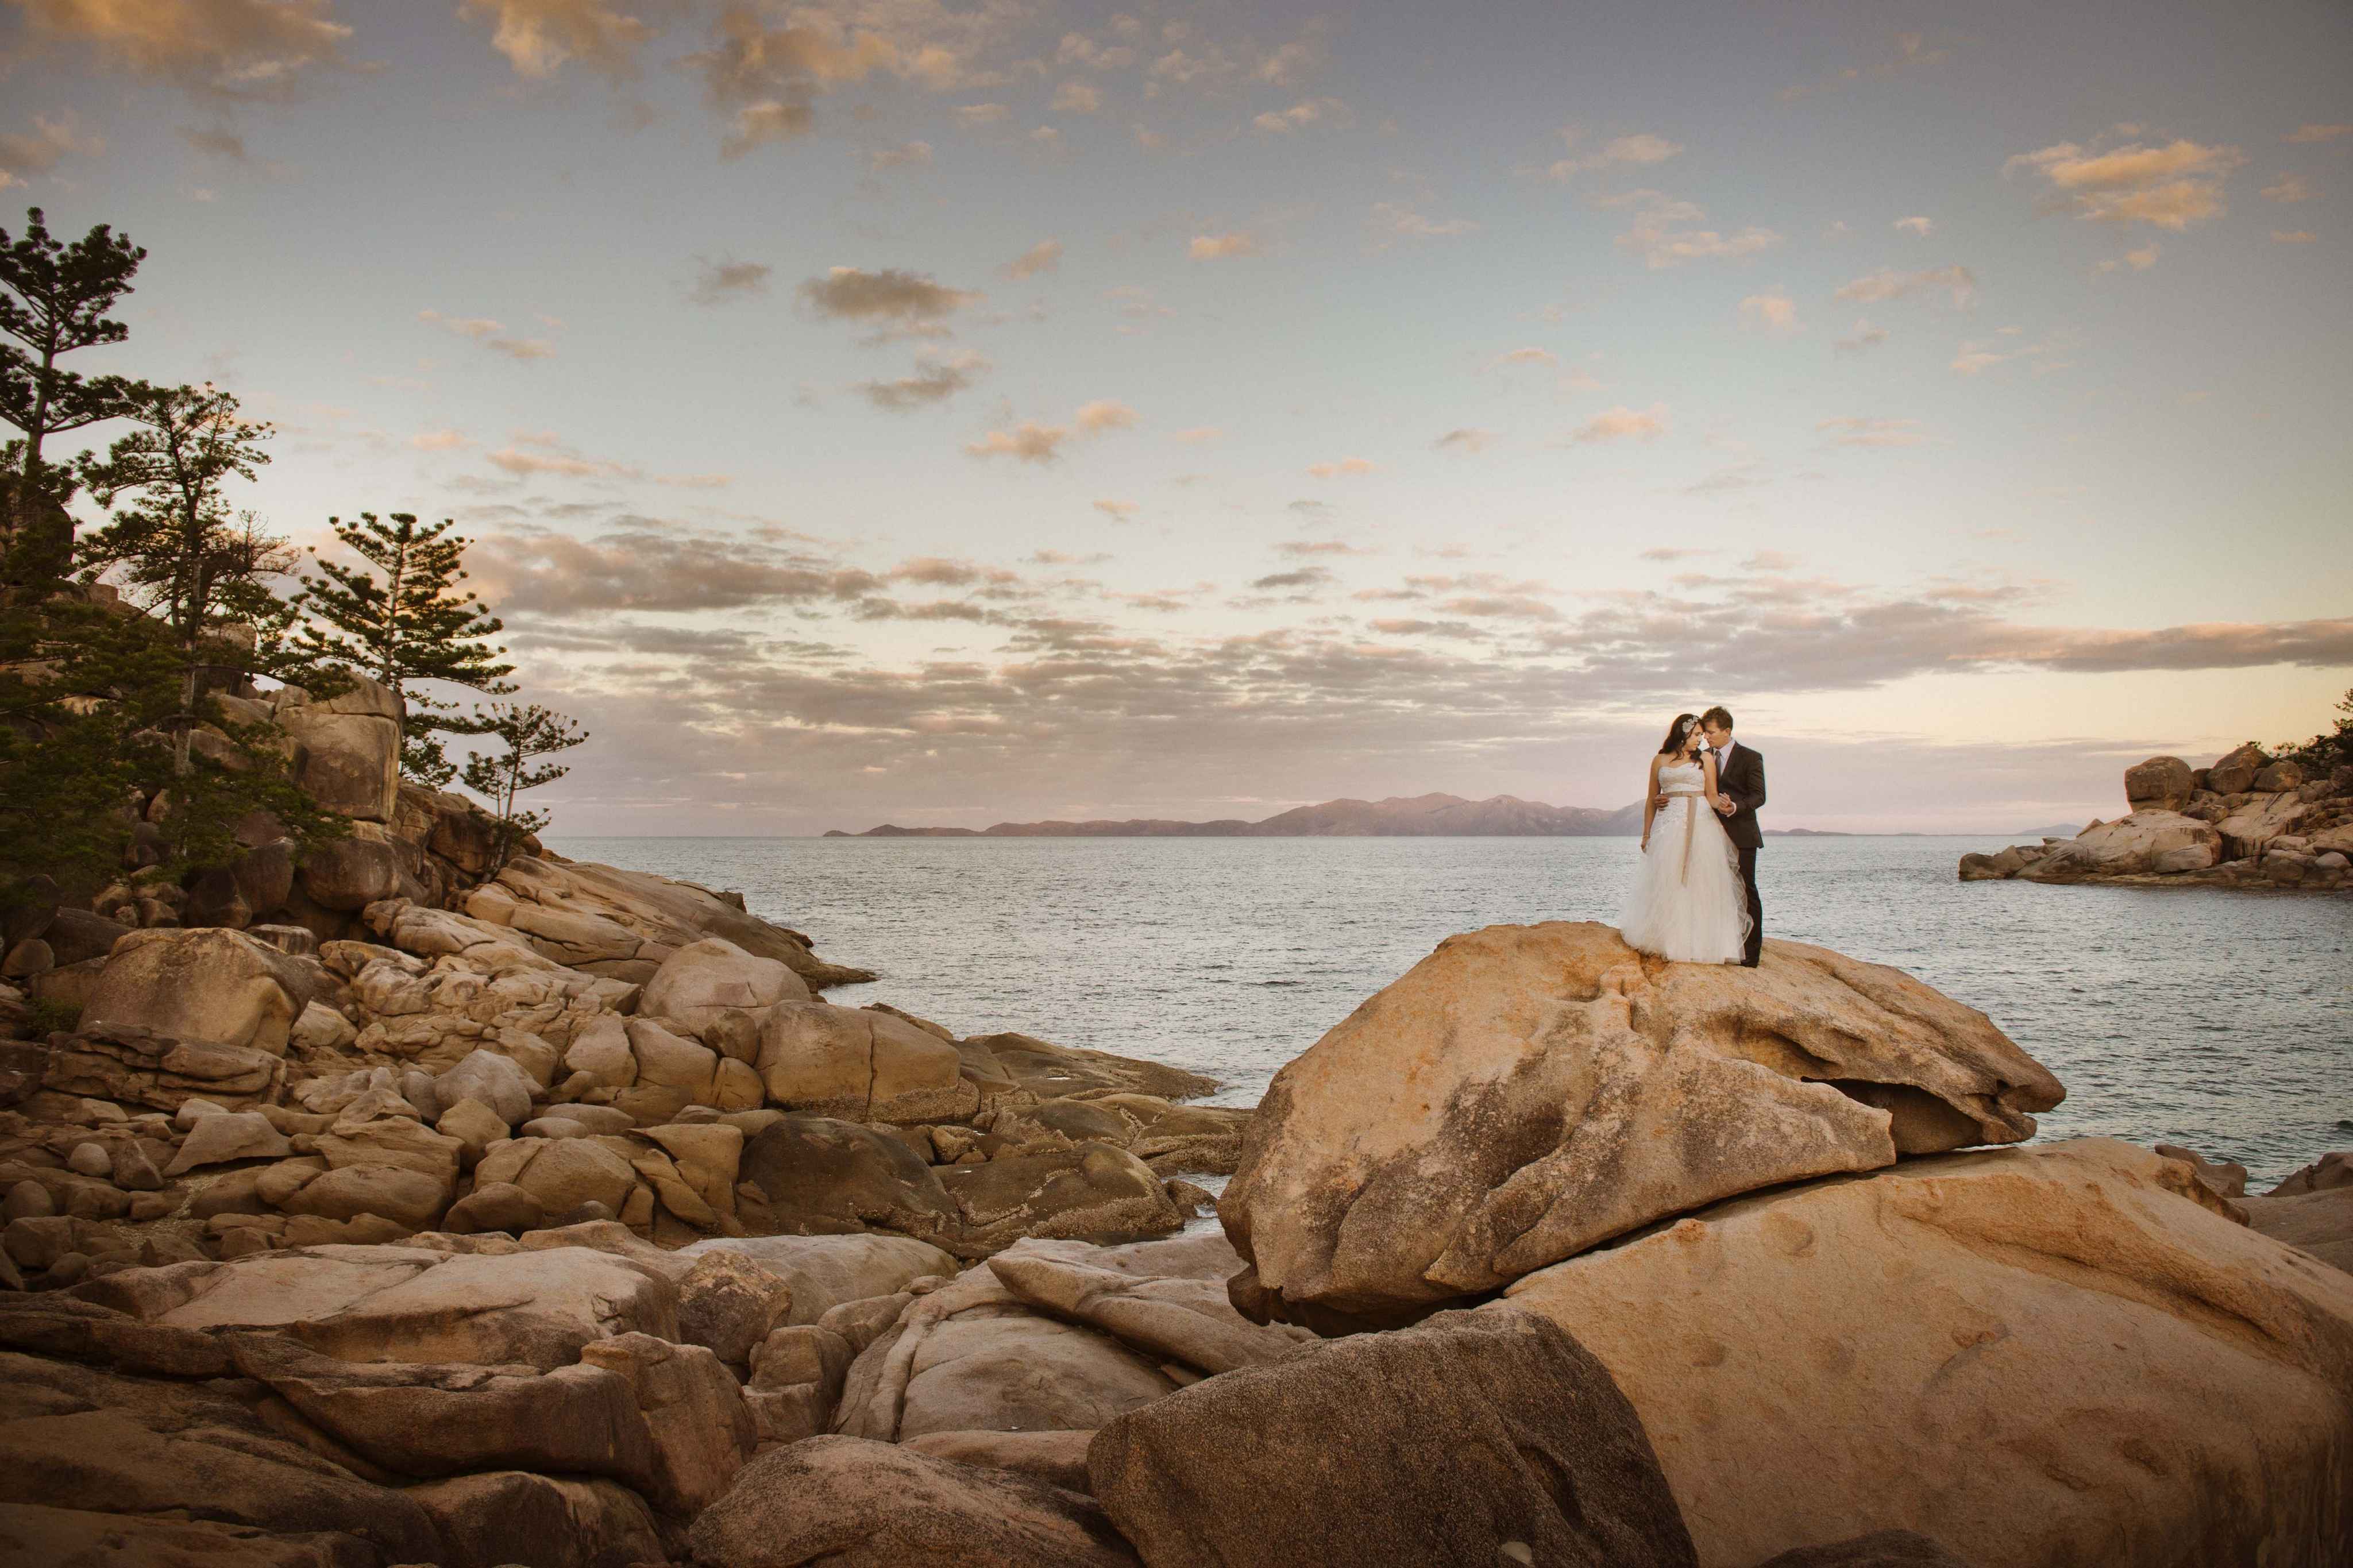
<point>1719,716</point>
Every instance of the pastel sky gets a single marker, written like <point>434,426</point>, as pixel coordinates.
<point>893,410</point>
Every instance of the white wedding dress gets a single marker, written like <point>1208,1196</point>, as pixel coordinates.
<point>1688,902</point>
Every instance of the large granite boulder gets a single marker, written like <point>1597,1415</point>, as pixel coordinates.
<point>859,1064</point>
<point>346,748</point>
<point>2160,783</point>
<point>1471,1437</point>
<point>2248,831</point>
<point>1092,1192</point>
<point>820,1176</point>
<point>2234,772</point>
<point>1527,1091</point>
<point>348,874</point>
<point>74,1437</point>
<point>849,1502</point>
<point>2147,841</point>
<point>824,1272</point>
<point>703,979</point>
<point>501,1516</point>
<point>663,912</point>
<point>402,1303</point>
<point>2057,1354</point>
<point>211,985</point>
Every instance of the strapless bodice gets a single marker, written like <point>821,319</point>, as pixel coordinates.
<point>1676,777</point>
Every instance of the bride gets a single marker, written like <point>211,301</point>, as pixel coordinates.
<point>1688,903</point>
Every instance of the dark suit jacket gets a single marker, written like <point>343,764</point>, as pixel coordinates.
<point>1742,776</point>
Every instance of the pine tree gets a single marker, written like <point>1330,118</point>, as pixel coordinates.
<point>412,626</point>
<point>53,301</point>
<point>525,731</point>
<point>179,553</point>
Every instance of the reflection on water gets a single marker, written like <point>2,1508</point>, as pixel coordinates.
<point>2217,1019</point>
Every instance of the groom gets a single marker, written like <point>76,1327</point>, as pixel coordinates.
<point>1740,790</point>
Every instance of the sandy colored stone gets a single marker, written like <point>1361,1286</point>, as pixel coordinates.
<point>2134,844</point>
<point>502,1517</point>
<point>1527,1091</point>
<point>2319,1223</point>
<point>850,1503</point>
<point>2052,1355</point>
<point>693,1410</point>
<point>860,1066</point>
<point>827,1271</point>
<point>211,987</point>
<point>820,1175</point>
<point>1095,1192</point>
<point>1879,1549</point>
<point>2160,783</point>
<point>1056,1458</point>
<point>497,1206</point>
<point>704,979</point>
<point>492,1079</point>
<point>474,1125</point>
<point>346,748</point>
<point>82,1538</point>
<point>74,1436</point>
<point>407,1197</point>
<point>708,1155</point>
<point>392,1141</point>
<point>1447,1442</point>
<point>1186,1320</point>
<point>320,1027</point>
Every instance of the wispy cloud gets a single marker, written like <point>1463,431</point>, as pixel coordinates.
<point>1664,232</point>
<point>726,282</point>
<point>2171,186</point>
<point>1218,247</point>
<point>1623,424</point>
<point>1955,281</point>
<point>493,335</point>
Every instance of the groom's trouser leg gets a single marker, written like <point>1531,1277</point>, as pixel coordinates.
<point>1756,950</point>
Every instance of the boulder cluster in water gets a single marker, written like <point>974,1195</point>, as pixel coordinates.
<point>2246,822</point>
<point>407,1213</point>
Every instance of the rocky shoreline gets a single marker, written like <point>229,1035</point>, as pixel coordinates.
<point>2245,822</point>
<point>416,1211</point>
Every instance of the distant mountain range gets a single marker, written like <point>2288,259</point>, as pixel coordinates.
<point>1399,816</point>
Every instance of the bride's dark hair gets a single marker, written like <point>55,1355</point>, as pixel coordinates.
<point>1677,733</point>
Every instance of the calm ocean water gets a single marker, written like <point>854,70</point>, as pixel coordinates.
<point>2215,1019</point>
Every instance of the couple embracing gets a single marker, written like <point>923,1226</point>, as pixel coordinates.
<point>1694,898</point>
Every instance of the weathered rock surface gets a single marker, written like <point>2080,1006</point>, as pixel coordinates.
<point>822,1272</point>
<point>2054,1354</point>
<point>1472,1437</point>
<point>661,913</point>
<point>211,987</point>
<point>823,1176</point>
<point>502,1517</point>
<point>346,747</point>
<point>852,1503</point>
<point>703,979</point>
<point>860,1066</point>
<point>1564,1089</point>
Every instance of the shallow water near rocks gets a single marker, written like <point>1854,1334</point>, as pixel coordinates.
<point>2218,1020</point>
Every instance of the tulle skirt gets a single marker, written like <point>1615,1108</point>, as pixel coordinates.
<point>1691,907</point>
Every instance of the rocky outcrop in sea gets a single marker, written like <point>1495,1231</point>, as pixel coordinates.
<point>551,1215</point>
<point>2246,822</point>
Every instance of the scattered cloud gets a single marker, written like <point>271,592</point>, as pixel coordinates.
<point>1662,235</point>
<point>1196,434</point>
<point>1299,116</point>
<point>1298,549</point>
<point>906,154</point>
<point>972,116</point>
<point>2292,237</point>
<point>1854,431</point>
<point>933,381</point>
<point>232,49</point>
<point>1622,424</point>
<point>1104,414</point>
<point>1919,226</point>
<point>1466,440</point>
<point>39,151</point>
<point>438,441</point>
<point>1046,255</point>
<point>896,301</point>
<point>539,37</point>
<point>1117,511</point>
<point>761,124</point>
<point>1639,151</point>
<point>1394,219</point>
<point>1956,282</point>
<point>2140,261</point>
<point>2170,186</point>
<point>1218,246</point>
<point>1297,577</point>
<point>726,282</point>
<point>1530,355</point>
<point>1863,338</point>
<point>1346,467</point>
<point>491,334</point>
<point>1029,442</point>
<point>2288,188</point>
<point>1911,52</point>
<point>2318,133</point>
<point>213,142</point>
<point>1076,97</point>
<point>1771,309</point>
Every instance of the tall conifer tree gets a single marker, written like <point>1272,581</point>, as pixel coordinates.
<point>53,299</point>
<point>525,731</point>
<point>411,625</point>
